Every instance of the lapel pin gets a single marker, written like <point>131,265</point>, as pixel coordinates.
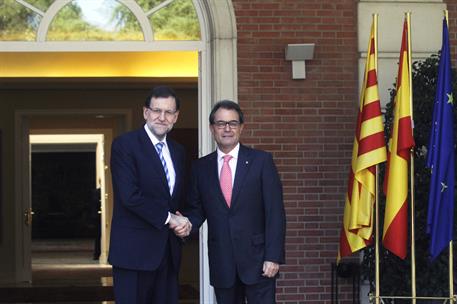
<point>247,162</point>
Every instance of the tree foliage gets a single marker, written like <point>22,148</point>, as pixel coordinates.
<point>18,22</point>
<point>14,14</point>
<point>431,277</point>
<point>70,25</point>
<point>176,21</point>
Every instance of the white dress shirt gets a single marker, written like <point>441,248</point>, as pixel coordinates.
<point>166,156</point>
<point>168,161</point>
<point>232,162</point>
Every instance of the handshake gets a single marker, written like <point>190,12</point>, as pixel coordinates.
<point>180,224</point>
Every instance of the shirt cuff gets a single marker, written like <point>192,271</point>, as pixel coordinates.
<point>168,218</point>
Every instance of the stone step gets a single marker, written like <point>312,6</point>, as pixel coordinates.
<point>37,294</point>
<point>74,294</point>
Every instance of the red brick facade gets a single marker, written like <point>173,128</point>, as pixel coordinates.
<point>452,8</point>
<point>308,124</point>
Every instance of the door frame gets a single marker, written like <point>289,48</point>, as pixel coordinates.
<point>22,185</point>
<point>100,169</point>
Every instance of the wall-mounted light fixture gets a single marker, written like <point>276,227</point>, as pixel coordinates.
<point>298,53</point>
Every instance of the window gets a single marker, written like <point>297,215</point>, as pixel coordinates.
<point>99,20</point>
<point>17,22</point>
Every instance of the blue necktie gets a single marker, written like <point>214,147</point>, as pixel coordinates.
<point>159,148</point>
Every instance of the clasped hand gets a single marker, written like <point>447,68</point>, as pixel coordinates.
<point>180,224</point>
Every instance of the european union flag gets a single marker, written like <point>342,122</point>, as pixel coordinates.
<point>440,157</point>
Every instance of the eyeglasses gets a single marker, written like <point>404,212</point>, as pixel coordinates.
<point>158,112</point>
<point>221,124</point>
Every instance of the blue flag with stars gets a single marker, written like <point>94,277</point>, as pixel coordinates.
<point>440,157</point>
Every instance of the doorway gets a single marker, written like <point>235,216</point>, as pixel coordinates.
<point>67,183</point>
<point>68,189</point>
<point>57,130</point>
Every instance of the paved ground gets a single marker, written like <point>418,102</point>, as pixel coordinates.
<point>65,268</point>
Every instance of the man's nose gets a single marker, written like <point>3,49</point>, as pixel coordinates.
<point>162,116</point>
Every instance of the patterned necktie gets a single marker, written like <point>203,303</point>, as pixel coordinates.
<point>226,180</point>
<point>159,148</point>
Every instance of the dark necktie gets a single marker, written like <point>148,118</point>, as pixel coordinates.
<point>159,148</point>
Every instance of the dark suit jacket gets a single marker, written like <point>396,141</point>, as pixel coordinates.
<point>252,230</point>
<point>142,201</point>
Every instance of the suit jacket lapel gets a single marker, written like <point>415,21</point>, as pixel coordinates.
<point>242,168</point>
<point>178,169</point>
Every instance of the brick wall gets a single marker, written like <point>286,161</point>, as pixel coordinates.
<point>308,125</point>
<point>452,8</point>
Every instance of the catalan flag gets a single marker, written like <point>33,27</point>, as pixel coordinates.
<point>369,150</point>
<point>395,232</point>
<point>441,157</point>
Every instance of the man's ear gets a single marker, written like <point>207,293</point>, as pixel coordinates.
<point>145,114</point>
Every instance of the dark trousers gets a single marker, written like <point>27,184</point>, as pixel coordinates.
<point>264,292</point>
<point>146,287</point>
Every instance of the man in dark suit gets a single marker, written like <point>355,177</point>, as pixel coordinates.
<point>238,191</point>
<point>147,172</point>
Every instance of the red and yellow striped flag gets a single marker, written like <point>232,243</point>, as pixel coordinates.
<point>401,142</point>
<point>368,151</point>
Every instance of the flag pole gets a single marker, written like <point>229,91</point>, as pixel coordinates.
<point>451,252</point>
<point>377,282</point>
<point>413,249</point>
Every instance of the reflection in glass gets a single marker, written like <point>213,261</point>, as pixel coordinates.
<point>42,5</point>
<point>177,21</point>
<point>99,20</point>
<point>17,23</point>
<point>95,20</point>
<point>147,5</point>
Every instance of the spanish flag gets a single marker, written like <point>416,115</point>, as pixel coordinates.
<point>401,142</point>
<point>369,150</point>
